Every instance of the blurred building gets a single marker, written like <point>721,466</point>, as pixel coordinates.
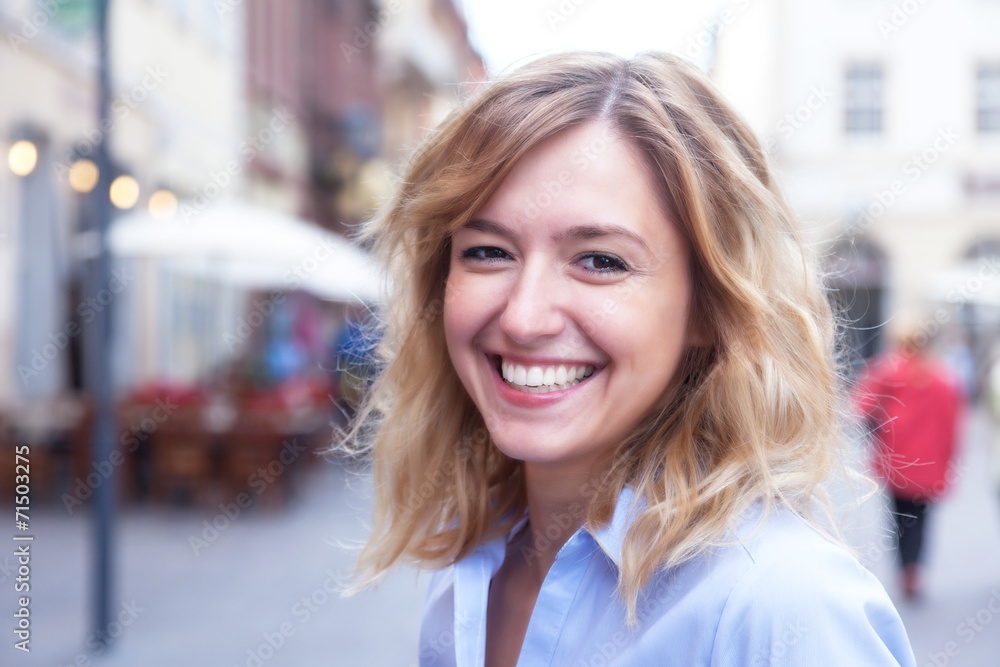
<point>362,81</point>
<point>883,120</point>
<point>295,67</point>
<point>427,64</point>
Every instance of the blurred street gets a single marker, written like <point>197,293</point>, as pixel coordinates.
<point>263,575</point>
<point>273,571</point>
<point>960,609</point>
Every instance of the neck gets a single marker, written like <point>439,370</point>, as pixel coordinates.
<point>557,506</point>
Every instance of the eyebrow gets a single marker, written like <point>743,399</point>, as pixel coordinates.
<point>582,232</point>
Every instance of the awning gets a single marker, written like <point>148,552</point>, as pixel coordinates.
<point>253,247</point>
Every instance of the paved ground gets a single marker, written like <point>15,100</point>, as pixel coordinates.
<point>263,581</point>
<point>957,623</point>
<point>256,593</point>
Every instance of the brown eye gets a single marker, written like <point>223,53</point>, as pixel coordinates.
<point>602,263</point>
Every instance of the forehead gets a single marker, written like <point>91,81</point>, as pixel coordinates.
<point>587,174</point>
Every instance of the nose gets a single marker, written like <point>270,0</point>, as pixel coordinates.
<point>533,310</point>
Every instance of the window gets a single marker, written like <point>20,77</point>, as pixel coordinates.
<point>864,99</point>
<point>988,99</point>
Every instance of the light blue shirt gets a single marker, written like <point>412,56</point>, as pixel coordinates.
<point>784,596</point>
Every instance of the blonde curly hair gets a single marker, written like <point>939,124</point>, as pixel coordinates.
<point>754,413</point>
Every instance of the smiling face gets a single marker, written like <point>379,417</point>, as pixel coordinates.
<point>567,301</point>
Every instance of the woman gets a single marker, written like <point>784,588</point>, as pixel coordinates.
<point>913,404</point>
<point>608,397</point>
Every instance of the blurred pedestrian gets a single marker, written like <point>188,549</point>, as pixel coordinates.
<point>912,404</point>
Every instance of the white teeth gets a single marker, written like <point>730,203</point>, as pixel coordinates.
<point>539,379</point>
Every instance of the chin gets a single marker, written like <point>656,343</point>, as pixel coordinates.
<point>555,450</point>
<point>530,447</point>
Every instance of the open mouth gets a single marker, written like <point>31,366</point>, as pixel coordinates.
<point>542,379</point>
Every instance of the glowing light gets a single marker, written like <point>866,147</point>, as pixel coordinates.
<point>22,158</point>
<point>124,192</point>
<point>83,176</point>
<point>162,204</point>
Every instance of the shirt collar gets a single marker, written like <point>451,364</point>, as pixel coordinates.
<point>609,537</point>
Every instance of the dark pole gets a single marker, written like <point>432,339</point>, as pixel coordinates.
<point>97,358</point>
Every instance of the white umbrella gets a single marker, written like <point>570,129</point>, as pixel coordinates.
<point>252,247</point>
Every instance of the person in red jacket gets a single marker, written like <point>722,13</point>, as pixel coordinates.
<point>912,406</point>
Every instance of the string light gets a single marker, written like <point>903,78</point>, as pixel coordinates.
<point>23,157</point>
<point>83,176</point>
<point>124,192</point>
<point>163,204</point>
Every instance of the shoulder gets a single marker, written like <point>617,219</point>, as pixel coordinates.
<point>798,598</point>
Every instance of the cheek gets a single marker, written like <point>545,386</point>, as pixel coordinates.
<point>647,336</point>
<point>453,316</point>
<point>471,303</point>
<point>462,316</point>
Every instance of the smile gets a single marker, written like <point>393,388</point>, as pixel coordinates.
<point>543,379</point>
